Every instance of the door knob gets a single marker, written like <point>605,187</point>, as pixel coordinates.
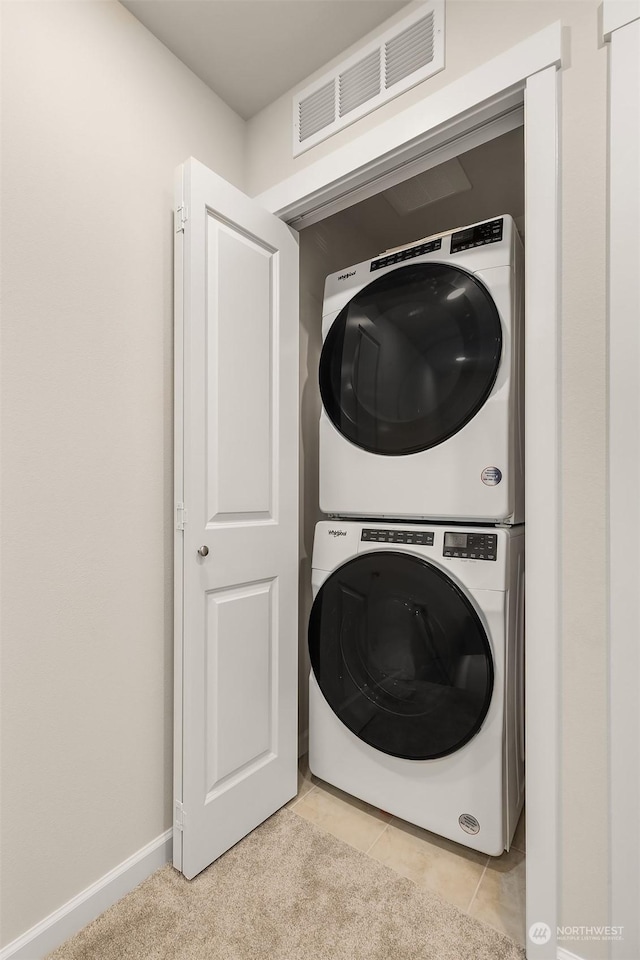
<point>203,551</point>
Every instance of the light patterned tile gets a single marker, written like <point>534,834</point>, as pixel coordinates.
<point>345,817</point>
<point>500,900</point>
<point>433,863</point>
<point>305,782</point>
<point>519,837</point>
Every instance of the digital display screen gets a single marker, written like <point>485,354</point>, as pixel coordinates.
<point>465,236</point>
<point>455,540</point>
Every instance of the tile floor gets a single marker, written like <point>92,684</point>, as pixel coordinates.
<point>488,888</point>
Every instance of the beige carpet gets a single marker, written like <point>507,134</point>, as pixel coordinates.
<point>288,891</point>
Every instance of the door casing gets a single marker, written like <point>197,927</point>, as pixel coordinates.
<point>621,29</point>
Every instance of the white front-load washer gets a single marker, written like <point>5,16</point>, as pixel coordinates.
<point>416,686</point>
<point>421,381</point>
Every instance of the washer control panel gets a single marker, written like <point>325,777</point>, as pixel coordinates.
<point>471,546</point>
<point>397,536</point>
<point>489,232</point>
<point>401,255</point>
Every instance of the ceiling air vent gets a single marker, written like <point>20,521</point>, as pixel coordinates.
<point>403,55</point>
<point>439,182</point>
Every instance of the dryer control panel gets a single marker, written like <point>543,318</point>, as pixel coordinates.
<point>471,546</point>
<point>401,255</point>
<point>489,232</point>
<point>397,536</point>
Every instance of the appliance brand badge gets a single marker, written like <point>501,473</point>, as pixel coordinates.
<point>491,476</point>
<point>469,823</point>
<point>343,276</point>
<point>337,533</point>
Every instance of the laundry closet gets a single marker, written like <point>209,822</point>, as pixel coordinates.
<point>396,226</point>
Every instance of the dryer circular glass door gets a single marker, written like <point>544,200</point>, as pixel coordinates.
<point>411,359</point>
<point>401,655</point>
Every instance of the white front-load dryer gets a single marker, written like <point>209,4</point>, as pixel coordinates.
<point>416,686</point>
<point>421,381</point>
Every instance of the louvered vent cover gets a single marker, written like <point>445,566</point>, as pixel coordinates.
<point>403,55</point>
<point>317,110</point>
<point>409,51</point>
<point>359,83</point>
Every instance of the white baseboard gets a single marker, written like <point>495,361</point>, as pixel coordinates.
<point>72,916</point>
<point>562,955</point>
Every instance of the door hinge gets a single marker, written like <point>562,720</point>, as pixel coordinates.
<point>181,516</point>
<point>179,816</point>
<point>181,218</point>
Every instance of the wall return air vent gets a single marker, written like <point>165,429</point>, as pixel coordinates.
<point>405,54</point>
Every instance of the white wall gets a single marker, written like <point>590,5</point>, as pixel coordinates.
<point>476,31</point>
<point>96,116</point>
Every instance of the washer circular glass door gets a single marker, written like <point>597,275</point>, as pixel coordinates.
<point>411,358</point>
<point>401,655</point>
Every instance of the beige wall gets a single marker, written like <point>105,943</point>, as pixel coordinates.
<point>476,31</point>
<point>96,116</point>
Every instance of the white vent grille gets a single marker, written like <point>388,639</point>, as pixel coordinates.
<point>409,51</point>
<point>403,55</point>
<point>359,83</point>
<point>317,110</point>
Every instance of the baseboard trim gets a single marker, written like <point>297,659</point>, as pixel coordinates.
<point>567,955</point>
<point>72,916</point>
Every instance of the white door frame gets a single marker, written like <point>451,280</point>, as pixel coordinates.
<point>621,28</point>
<point>527,73</point>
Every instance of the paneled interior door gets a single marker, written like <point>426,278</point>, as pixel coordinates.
<point>236,558</point>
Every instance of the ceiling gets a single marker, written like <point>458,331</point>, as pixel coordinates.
<point>250,52</point>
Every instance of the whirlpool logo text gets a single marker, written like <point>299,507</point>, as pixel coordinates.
<point>337,533</point>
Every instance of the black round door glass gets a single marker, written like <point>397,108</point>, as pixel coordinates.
<point>411,359</point>
<point>401,656</point>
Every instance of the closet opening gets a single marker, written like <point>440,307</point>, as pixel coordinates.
<point>483,183</point>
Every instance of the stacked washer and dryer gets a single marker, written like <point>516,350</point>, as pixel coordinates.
<point>416,698</point>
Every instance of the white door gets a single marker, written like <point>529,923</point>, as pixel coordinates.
<point>237,504</point>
